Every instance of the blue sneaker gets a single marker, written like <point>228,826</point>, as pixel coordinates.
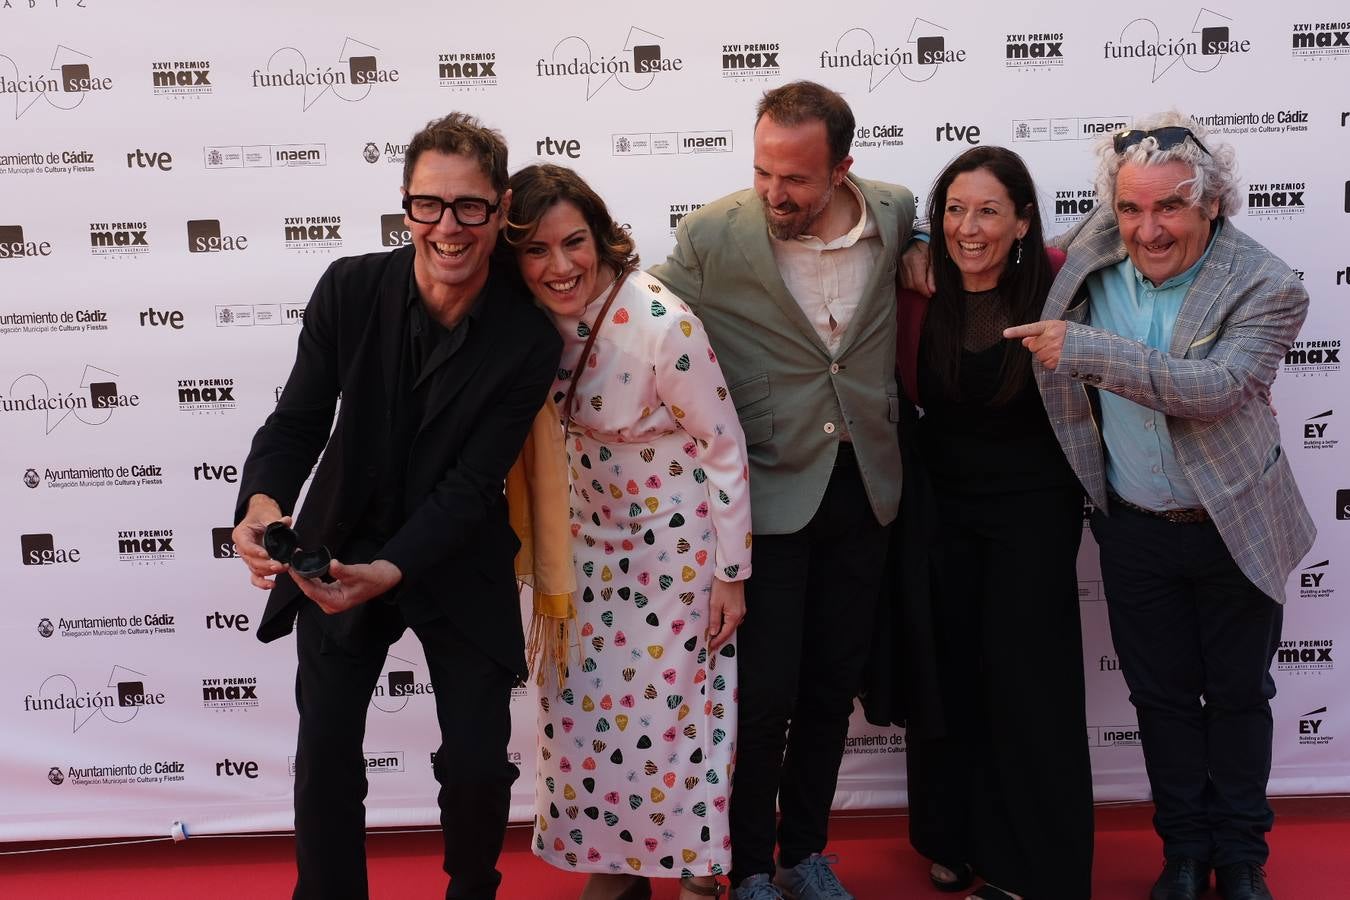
<point>758,887</point>
<point>811,879</point>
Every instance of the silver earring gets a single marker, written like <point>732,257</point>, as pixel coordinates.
<point>1018,260</point>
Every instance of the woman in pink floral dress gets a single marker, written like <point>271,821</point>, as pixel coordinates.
<point>636,749</point>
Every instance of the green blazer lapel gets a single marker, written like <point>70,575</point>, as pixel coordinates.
<point>750,231</point>
<point>881,207</point>
<point>1204,292</point>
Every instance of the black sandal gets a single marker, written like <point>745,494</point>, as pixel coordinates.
<point>988,891</point>
<point>716,889</point>
<point>965,876</point>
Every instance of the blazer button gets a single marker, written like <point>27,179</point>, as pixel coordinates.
<point>829,428</point>
<point>834,368</point>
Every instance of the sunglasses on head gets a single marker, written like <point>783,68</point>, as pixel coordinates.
<point>1167,137</point>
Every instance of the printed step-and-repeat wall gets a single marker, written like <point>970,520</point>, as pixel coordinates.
<point>175,177</point>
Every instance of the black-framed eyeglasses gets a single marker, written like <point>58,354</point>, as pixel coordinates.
<point>1167,137</point>
<point>428,209</point>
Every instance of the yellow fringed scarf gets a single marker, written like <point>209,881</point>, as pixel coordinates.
<point>539,500</point>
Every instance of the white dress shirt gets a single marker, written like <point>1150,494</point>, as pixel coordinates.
<point>827,280</point>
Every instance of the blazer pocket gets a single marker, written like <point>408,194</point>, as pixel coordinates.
<point>749,390</point>
<point>758,428</point>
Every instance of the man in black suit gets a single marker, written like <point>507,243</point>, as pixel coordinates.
<point>441,366</point>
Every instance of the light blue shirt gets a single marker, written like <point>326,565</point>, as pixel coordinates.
<point>1141,461</point>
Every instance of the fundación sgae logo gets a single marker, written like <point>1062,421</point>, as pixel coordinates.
<point>1200,49</point>
<point>357,67</point>
<point>62,84</point>
<point>117,701</point>
<point>636,69</point>
<point>29,393</point>
<point>924,52</point>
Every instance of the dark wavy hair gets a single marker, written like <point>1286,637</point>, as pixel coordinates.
<point>1022,287</point>
<point>460,134</point>
<point>536,189</point>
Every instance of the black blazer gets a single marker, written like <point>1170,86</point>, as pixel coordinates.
<point>455,547</point>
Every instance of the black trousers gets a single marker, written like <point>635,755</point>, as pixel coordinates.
<point>333,687</point>
<point>1008,789</point>
<point>810,603</point>
<point>1195,639</point>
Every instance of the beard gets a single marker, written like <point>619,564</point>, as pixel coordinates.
<point>795,226</point>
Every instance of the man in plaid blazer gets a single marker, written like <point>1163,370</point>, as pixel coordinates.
<point>1161,337</point>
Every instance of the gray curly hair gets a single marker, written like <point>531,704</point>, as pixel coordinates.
<point>1215,173</point>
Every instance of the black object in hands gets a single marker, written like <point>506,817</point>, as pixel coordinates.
<point>282,544</point>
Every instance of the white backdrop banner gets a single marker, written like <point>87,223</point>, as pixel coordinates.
<point>175,177</point>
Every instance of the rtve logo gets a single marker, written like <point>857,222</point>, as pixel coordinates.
<point>154,318</point>
<point>228,768</point>
<point>219,621</point>
<point>149,159</point>
<point>569,147</point>
<point>207,472</point>
<point>947,132</point>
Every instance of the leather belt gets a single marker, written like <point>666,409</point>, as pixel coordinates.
<point>1175,516</point>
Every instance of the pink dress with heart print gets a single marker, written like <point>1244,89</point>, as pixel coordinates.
<point>635,755</point>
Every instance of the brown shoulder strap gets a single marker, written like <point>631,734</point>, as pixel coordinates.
<point>568,408</point>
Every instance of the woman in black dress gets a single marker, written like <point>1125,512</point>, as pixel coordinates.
<point>1004,788</point>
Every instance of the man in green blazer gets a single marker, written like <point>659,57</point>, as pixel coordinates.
<point>795,282</point>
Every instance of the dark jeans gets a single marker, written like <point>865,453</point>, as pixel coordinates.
<point>810,604</point>
<point>333,687</point>
<point>1195,639</point>
<point>1008,788</point>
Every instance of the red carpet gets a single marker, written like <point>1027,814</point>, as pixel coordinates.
<point>1308,860</point>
